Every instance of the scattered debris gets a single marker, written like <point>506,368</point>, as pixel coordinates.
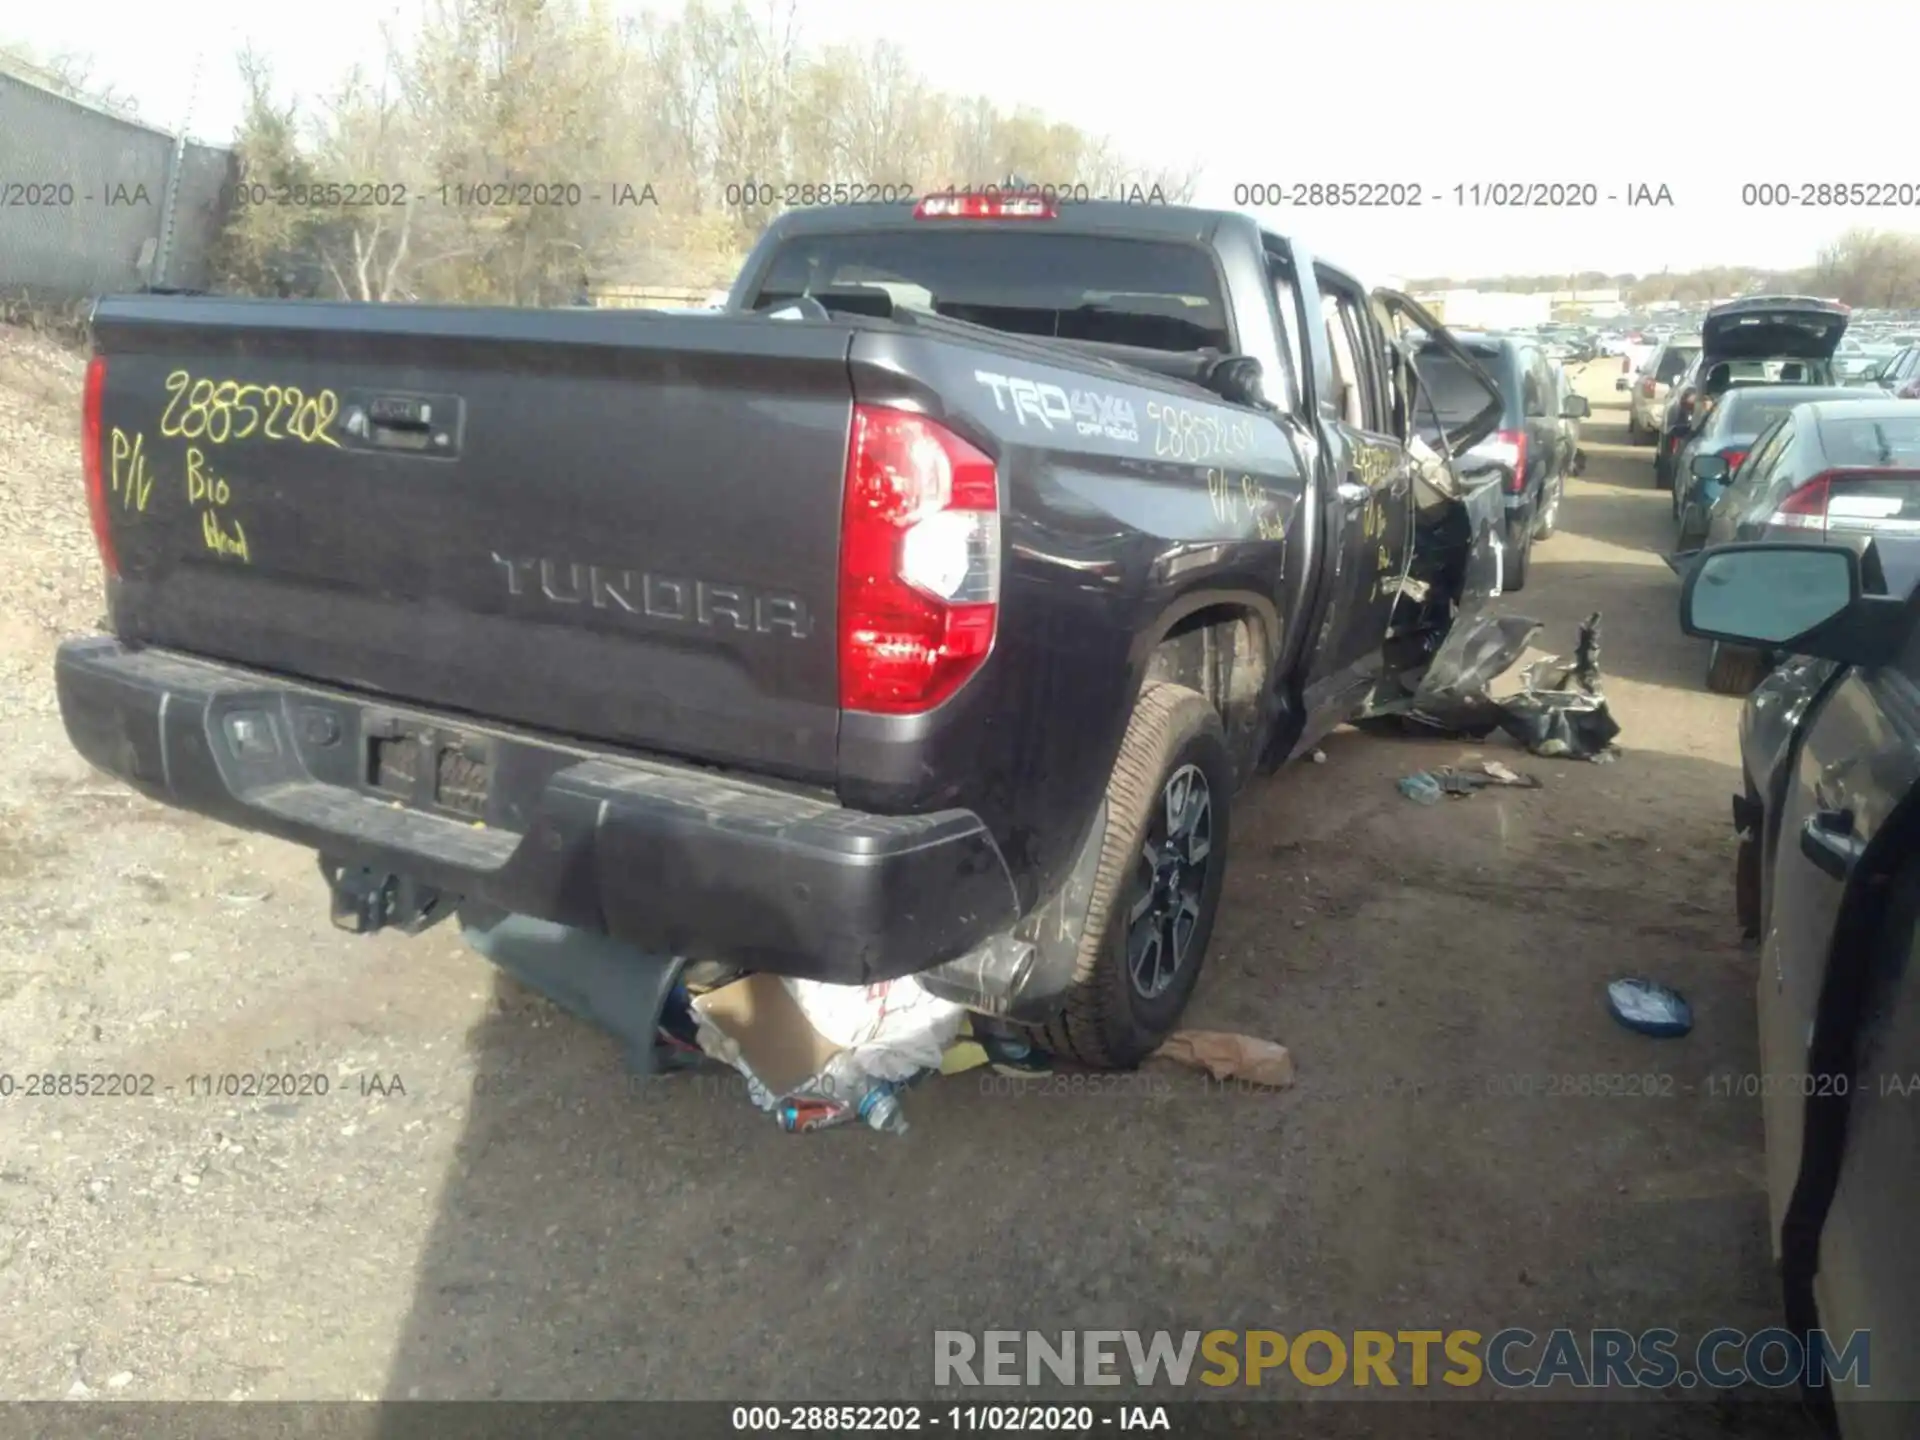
<point>1556,711</point>
<point>1421,788</point>
<point>1226,1056</point>
<point>1649,1007</point>
<point>816,1055</point>
<point>1427,786</point>
<point>1319,756</point>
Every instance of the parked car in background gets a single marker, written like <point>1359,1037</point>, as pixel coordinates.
<point>1713,453</point>
<point>1663,366</point>
<point>1526,449</point>
<point>1827,879</point>
<point>1837,472</point>
<point>1856,357</point>
<point>1763,339</point>
<point>1899,373</point>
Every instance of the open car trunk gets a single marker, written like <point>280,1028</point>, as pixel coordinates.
<point>1774,327</point>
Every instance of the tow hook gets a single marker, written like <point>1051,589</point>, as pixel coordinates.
<point>366,900</point>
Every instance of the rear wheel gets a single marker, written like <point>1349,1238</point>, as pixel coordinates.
<point>1746,876</point>
<point>1549,520</point>
<point>1519,556</point>
<point>1734,670</point>
<point>1157,888</point>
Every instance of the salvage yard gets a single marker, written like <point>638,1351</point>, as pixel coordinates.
<point>482,1205</point>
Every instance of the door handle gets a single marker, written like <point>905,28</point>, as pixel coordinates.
<point>1827,839</point>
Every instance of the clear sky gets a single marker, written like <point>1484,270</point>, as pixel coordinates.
<point>1701,98</point>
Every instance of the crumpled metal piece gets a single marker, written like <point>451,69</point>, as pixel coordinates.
<point>1558,711</point>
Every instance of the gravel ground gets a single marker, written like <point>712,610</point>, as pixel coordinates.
<point>483,1206</point>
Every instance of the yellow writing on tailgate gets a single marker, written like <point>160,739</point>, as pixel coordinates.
<point>218,411</point>
<point>221,534</point>
<point>127,469</point>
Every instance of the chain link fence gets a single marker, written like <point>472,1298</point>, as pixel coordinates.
<point>91,203</point>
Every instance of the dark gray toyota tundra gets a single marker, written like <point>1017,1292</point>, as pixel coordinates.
<point>920,613</point>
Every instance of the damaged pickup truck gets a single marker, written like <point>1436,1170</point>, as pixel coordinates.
<point>921,613</point>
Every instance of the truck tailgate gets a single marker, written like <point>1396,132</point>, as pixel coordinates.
<point>618,526</point>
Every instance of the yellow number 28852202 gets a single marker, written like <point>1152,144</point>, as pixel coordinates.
<point>217,411</point>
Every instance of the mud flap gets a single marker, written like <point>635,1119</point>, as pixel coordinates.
<point>616,987</point>
<point>1024,974</point>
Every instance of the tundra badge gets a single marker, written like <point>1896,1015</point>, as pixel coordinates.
<point>679,599</point>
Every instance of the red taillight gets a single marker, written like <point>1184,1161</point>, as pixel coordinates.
<point>1864,499</point>
<point>919,563</point>
<point>93,462</point>
<point>1805,508</point>
<point>993,205</point>
<point>1733,459</point>
<point>1507,448</point>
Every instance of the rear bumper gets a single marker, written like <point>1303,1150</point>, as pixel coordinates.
<point>666,857</point>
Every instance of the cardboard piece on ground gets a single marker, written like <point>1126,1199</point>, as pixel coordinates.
<point>1226,1056</point>
<point>760,1015</point>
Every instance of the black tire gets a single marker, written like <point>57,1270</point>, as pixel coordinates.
<point>1518,558</point>
<point>1110,1021</point>
<point>1549,520</point>
<point>1734,669</point>
<point>1746,877</point>
<point>1662,467</point>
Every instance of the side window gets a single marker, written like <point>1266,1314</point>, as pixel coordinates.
<point>1286,299</point>
<point>1552,384</point>
<point>1758,472</point>
<point>1398,381</point>
<point>1349,382</point>
<point>1533,394</point>
<point>1359,390</point>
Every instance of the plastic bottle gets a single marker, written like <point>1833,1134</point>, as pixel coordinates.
<point>882,1111</point>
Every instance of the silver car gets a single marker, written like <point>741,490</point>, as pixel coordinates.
<point>1647,407</point>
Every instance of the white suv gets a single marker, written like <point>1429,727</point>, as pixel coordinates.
<point>1647,406</point>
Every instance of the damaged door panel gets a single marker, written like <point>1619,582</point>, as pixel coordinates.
<point>1455,561</point>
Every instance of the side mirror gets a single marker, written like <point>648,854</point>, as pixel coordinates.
<point>1795,599</point>
<point>1576,408</point>
<point>1237,379</point>
<point>1712,468</point>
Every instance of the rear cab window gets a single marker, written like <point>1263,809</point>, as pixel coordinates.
<point>1153,295</point>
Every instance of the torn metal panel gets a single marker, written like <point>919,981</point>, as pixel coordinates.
<point>1558,709</point>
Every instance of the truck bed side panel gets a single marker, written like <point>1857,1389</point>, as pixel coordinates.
<point>1127,503</point>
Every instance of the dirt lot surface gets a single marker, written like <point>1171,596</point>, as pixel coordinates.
<point>514,1219</point>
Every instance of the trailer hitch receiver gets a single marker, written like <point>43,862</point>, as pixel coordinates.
<point>367,899</point>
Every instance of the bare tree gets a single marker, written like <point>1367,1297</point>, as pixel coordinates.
<point>542,141</point>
